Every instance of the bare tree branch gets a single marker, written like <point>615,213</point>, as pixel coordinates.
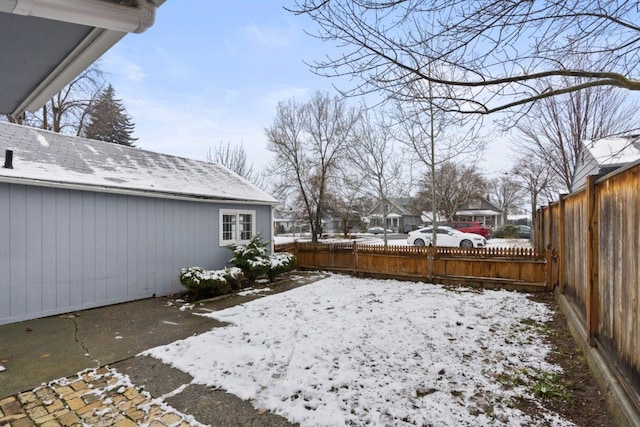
<point>309,142</point>
<point>496,52</point>
<point>554,130</point>
<point>233,157</point>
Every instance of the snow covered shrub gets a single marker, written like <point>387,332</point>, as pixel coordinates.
<point>280,263</point>
<point>255,261</point>
<point>203,283</point>
<point>252,258</point>
<point>234,277</point>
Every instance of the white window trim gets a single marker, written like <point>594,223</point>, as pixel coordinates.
<point>237,213</point>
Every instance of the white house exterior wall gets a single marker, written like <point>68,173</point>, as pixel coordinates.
<point>65,250</point>
<point>586,166</point>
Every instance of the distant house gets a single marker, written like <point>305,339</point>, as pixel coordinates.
<point>603,156</point>
<point>480,210</point>
<point>88,223</point>
<point>400,212</point>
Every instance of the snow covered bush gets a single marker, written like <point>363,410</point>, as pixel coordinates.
<point>234,277</point>
<point>203,283</point>
<point>252,258</point>
<point>280,263</point>
<point>255,261</point>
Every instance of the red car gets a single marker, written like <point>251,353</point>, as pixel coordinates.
<point>470,227</point>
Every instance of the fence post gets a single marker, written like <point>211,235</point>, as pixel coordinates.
<point>548,256</point>
<point>538,227</point>
<point>430,256</point>
<point>355,257</point>
<point>562,244</point>
<point>592,277</point>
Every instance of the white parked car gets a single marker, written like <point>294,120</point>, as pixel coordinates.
<point>447,236</point>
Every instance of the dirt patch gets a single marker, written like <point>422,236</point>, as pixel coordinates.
<point>574,393</point>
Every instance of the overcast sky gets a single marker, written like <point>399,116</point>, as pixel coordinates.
<point>210,72</point>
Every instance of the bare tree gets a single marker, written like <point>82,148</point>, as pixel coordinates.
<point>374,157</point>
<point>233,157</point>
<point>348,201</point>
<point>507,194</point>
<point>454,185</point>
<point>536,179</point>
<point>436,137</point>
<point>496,51</point>
<point>309,141</point>
<point>554,128</point>
<point>67,112</point>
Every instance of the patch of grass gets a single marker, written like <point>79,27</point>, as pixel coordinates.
<point>514,379</point>
<point>548,385</point>
<point>461,288</point>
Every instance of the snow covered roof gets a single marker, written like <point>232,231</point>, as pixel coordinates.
<point>614,151</point>
<point>477,212</point>
<point>47,158</point>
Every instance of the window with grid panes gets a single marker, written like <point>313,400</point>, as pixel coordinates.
<point>236,226</point>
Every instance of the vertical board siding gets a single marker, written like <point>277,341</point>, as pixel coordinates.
<point>49,238</point>
<point>66,250</point>
<point>100,205</point>
<point>131,247</point>
<point>34,214</point>
<point>120,271</point>
<point>617,262</point>
<point>75,249</point>
<point>575,246</point>
<point>5,251</point>
<point>63,251</point>
<point>88,239</point>
<point>17,273</point>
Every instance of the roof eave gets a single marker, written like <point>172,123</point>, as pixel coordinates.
<point>88,51</point>
<point>110,22</point>
<point>131,192</point>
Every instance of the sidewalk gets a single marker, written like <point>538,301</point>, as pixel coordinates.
<point>82,367</point>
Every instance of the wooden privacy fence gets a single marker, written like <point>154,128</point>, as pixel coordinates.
<point>509,268</point>
<point>596,232</point>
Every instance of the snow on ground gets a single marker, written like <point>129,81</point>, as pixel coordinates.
<point>400,240</point>
<point>352,351</point>
<point>251,291</point>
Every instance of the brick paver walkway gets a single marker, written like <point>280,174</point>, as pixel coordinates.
<point>97,397</point>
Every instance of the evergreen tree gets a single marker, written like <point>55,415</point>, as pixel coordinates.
<point>109,121</point>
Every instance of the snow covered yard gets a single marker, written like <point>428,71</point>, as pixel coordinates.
<point>351,351</point>
<point>401,240</point>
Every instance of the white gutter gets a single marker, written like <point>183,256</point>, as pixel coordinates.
<point>130,192</point>
<point>91,13</point>
<point>111,21</point>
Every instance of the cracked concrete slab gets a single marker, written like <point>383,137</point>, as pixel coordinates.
<point>33,352</point>
<point>41,350</point>
<point>208,405</point>
<point>217,408</point>
<point>156,377</point>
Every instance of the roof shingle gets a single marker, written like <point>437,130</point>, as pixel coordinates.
<point>59,159</point>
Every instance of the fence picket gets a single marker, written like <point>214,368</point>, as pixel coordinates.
<point>513,268</point>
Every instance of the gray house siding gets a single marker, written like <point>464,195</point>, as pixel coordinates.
<point>587,165</point>
<point>64,250</point>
